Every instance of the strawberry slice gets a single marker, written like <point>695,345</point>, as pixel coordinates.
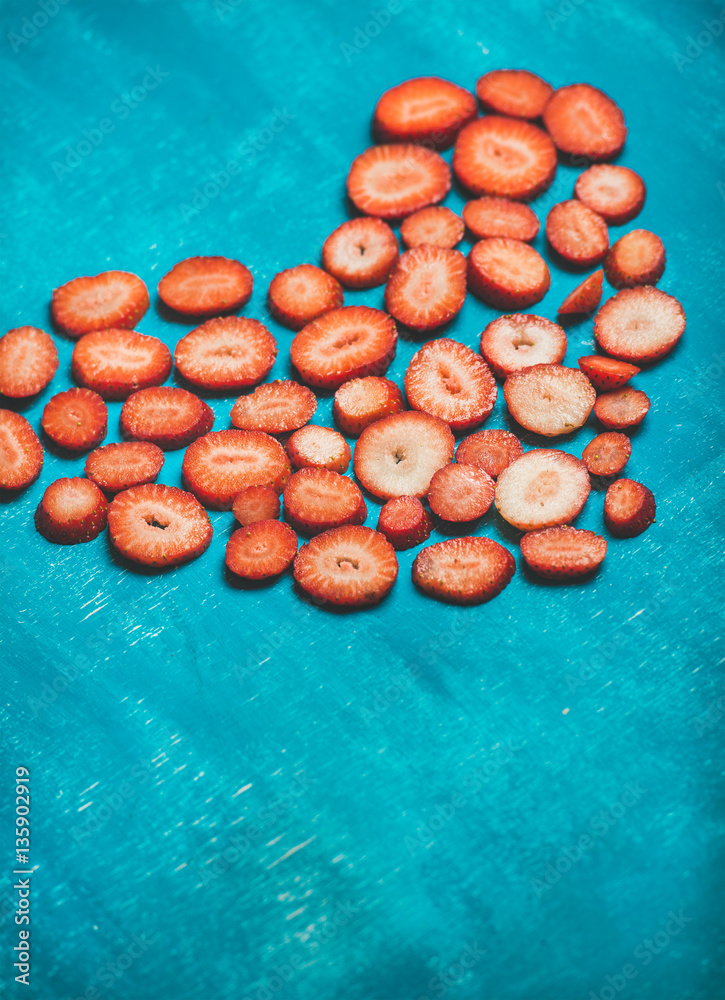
<point>521,340</point>
<point>622,408</point>
<point>507,274</point>
<point>171,418</point>
<point>313,447</point>
<point>460,492</point>
<point>300,294</point>
<point>577,234</point>
<point>639,324</point>
<point>583,121</point>
<point>450,381</point>
<point>398,455</point>
<point>616,193</point>
<point>230,352</point>
<point>360,253</point>
<point>116,467</point>
<point>115,363</point>
<point>505,157</point>
<point>393,181</point>
<point>21,453</point>
<point>158,525</point>
<point>585,298</point>
<point>637,258</point>
<point>28,361</point>
<point>206,286</point>
<point>219,465</point>
<point>607,454</point>
<point>343,344</point>
<point>629,508</point>
<point>426,109</point>
<point>316,500</point>
<point>257,503</point>
<point>541,489</point>
<point>606,373</point>
<point>76,420</point>
<point>514,92</point>
<point>275,407</point>
<point>488,217</point>
<point>361,401</point>
<point>549,399</point>
<point>436,225</point>
<point>427,287</point>
<point>261,550</point>
<point>490,450</point>
<point>464,570</point>
<point>405,522</point>
<point>563,553</point>
<point>349,567</point>
<point>71,511</point>
<point>106,301</point>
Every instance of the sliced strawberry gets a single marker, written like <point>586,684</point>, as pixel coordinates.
<point>639,324</point>
<point>450,381</point>
<point>541,489</point>
<point>71,511</point>
<point>488,217</point>
<point>300,294</point>
<point>607,454</point>
<point>343,344</point>
<point>583,121</point>
<point>514,92</point>
<point>398,455</point>
<point>350,567</point>
<point>622,408</point>
<point>361,401</point>
<point>76,420</point>
<point>490,450</point>
<point>361,253</point>
<point>158,525</point>
<point>563,553</point>
<point>426,109</point>
<point>261,550</point>
<point>230,352</point>
<point>577,234</point>
<point>171,418</point>
<point>585,298</point>
<point>392,181</point>
<point>606,373</point>
<point>549,399</point>
<point>436,225</point>
<point>111,300</point>
<point>116,467</point>
<point>257,503</point>
<point>317,499</point>
<point>521,340</point>
<point>313,447</point>
<point>206,286</point>
<point>637,258</point>
<point>21,453</point>
<point>28,361</point>
<point>405,522</point>
<point>507,274</point>
<point>504,157</point>
<point>275,407</point>
<point>460,492</point>
<point>629,508</point>
<point>616,193</point>
<point>464,570</point>
<point>427,287</point>
<point>219,465</point>
<point>115,363</point>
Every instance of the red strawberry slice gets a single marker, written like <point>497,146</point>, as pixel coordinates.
<point>219,465</point>
<point>514,92</point>
<point>488,217</point>
<point>563,553</point>
<point>21,453</point>
<point>349,567</point>
<point>460,492</point>
<point>343,344</point>
<point>398,455</point>
<point>639,324</point>
<point>28,361</point>
<point>392,181</point>
<point>549,399</point>
<point>158,525</point>
<point>275,407</point>
<point>230,352</point>
<point>111,300</point>
<point>427,287</point>
<point>361,401</point>
<point>261,550</point>
<point>300,294</point>
<point>71,511</point>
<point>426,109</point>
<point>577,234</point>
<point>607,454</point>
<point>541,489</point>
<point>116,467</point>
<point>507,274</point>
<point>521,340</point>
<point>206,286</point>
<point>616,193</point>
<point>437,226</point>
<point>405,522</point>
<point>464,570</point>
<point>504,157</point>
<point>360,253</point>
<point>171,418</point>
<point>450,381</point>
<point>606,373</point>
<point>76,420</point>
<point>629,508</point>
<point>637,258</point>
<point>316,500</point>
<point>490,450</point>
<point>585,298</point>
<point>622,408</point>
<point>115,363</point>
<point>256,503</point>
<point>313,447</point>
<point>583,121</point>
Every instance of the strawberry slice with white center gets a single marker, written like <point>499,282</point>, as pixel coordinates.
<point>606,373</point>
<point>230,352</point>
<point>76,420</point>
<point>436,225</point>
<point>28,361</point>
<point>450,381</point>
<point>464,570</point>
<point>397,456</point>
<point>549,399</point>
<point>426,109</point>
<point>405,522</point>
<point>607,454</point>
<point>507,274</point>
<point>115,363</point>
<point>541,489</point>
<point>622,408</point>
<point>629,508</point>
<point>427,287</point>
<point>616,193</point>
<point>116,467</point>
<point>169,417</point>
<point>583,121</point>
<point>361,401</point>
<point>513,92</point>
<point>316,500</point>
<point>300,294</point>
<point>313,447</point>
<point>71,511</point>
<point>206,286</point>
<point>219,465</point>
<point>275,407</point>
<point>158,525</point>
<point>490,450</point>
<point>21,453</point>
<point>563,553</point>
<point>461,492</point>
<point>106,301</point>
<point>393,181</point>
<point>504,157</point>
<point>488,217</point>
<point>637,258</point>
<point>349,567</point>
<point>585,298</point>
<point>360,253</point>
<point>577,234</point>
<point>343,344</point>
<point>261,550</point>
<point>257,503</point>
<point>521,340</point>
<point>639,324</point>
